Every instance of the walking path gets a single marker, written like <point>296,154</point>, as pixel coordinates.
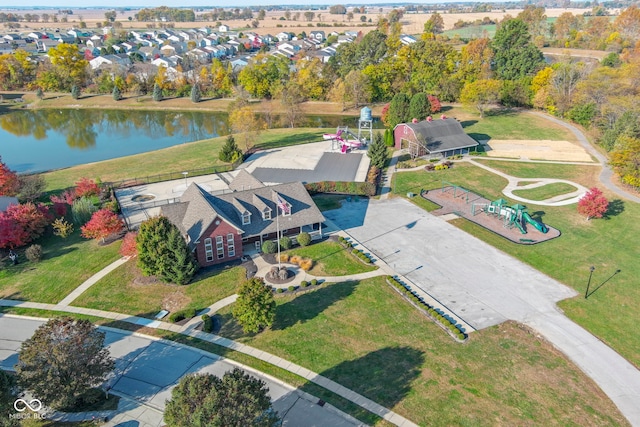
<point>607,172</point>
<point>92,281</point>
<point>562,200</point>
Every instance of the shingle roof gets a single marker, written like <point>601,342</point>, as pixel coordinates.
<point>197,209</point>
<point>442,135</point>
<point>245,181</point>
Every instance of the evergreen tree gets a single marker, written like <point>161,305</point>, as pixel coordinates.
<point>75,92</point>
<point>157,93</point>
<point>161,253</point>
<point>419,107</point>
<point>388,138</point>
<point>230,151</point>
<point>8,394</point>
<point>117,95</point>
<point>398,110</point>
<point>196,95</point>
<point>255,308</point>
<point>515,55</point>
<point>39,94</point>
<point>378,151</point>
<point>180,266</point>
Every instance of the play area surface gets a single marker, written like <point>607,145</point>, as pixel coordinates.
<point>511,222</point>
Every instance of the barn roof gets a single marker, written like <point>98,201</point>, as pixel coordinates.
<point>441,135</point>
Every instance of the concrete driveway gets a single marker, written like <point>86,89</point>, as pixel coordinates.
<point>485,286</point>
<point>147,370</point>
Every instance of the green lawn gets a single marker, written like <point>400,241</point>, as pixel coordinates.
<point>184,157</point>
<point>366,337</point>
<point>331,259</point>
<point>508,124</point>
<point>608,244</point>
<point>581,174</point>
<point>119,291</point>
<point>65,265</point>
<point>546,191</point>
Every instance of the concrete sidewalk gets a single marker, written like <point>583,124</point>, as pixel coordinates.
<point>92,281</point>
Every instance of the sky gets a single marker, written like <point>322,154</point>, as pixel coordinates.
<point>53,4</point>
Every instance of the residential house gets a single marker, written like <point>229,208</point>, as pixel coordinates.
<point>239,63</point>
<point>317,35</point>
<point>121,61</point>
<point>217,228</point>
<point>283,36</point>
<point>223,28</point>
<point>407,39</point>
<point>149,53</point>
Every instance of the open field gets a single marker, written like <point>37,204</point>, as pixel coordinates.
<point>608,244</point>
<point>124,290</point>
<point>413,23</point>
<point>66,263</point>
<point>366,337</point>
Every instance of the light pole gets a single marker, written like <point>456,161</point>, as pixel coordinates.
<point>185,179</point>
<point>586,293</point>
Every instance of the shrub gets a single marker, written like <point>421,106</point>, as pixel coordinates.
<point>284,258</point>
<point>82,210</point>
<point>314,282</point>
<point>304,238</point>
<point>187,313</point>
<point>86,187</point>
<point>34,253</point>
<point>291,288</point>
<point>295,259</point>
<point>306,264</point>
<point>62,228</point>
<point>128,246</point>
<point>430,167</point>
<point>462,336</point>
<point>304,284</point>
<point>285,242</point>
<point>269,247</point>
<point>279,290</point>
<point>207,323</point>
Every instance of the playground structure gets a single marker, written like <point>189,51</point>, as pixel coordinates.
<point>498,216</point>
<point>343,139</point>
<point>511,216</point>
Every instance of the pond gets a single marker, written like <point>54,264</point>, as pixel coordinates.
<point>39,140</point>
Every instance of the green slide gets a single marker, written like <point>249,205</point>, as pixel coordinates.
<point>522,230</point>
<point>538,225</point>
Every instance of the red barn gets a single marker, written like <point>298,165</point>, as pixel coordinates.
<point>437,138</point>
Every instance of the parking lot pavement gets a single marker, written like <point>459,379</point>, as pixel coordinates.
<point>476,281</point>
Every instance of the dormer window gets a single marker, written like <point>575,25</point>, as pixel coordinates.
<point>246,218</point>
<point>266,214</point>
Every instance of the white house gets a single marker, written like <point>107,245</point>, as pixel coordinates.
<point>223,28</point>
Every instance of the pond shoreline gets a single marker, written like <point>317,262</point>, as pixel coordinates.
<point>145,102</point>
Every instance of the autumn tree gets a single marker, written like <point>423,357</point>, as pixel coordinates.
<point>291,97</point>
<point>356,88</point>
<point>481,94</point>
<point>255,308</point>
<point>62,361</point>
<point>22,224</point>
<point>102,224</point>
<point>244,122</point>
<point>162,251</point>
<point>31,187</point>
<point>86,187</point>
<point>128,247</point>
<point>235,400</point>
<point>68,68</point>
<point>434,25</point>
<point>264,75</point>
<point>593,204</point>
<point>625,159</point>
<point>9,182</point>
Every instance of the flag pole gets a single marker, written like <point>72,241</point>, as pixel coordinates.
<point>278,233</point>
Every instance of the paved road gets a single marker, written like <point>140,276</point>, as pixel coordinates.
<point>147,370</point>
<point>484,286</point>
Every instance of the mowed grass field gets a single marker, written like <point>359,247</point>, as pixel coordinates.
<point>366,337</point>
<point>183,157</point>
<point>608,244</point>
<point>65,264</point>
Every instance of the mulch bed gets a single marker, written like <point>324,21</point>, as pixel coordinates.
<point>460,206</point>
